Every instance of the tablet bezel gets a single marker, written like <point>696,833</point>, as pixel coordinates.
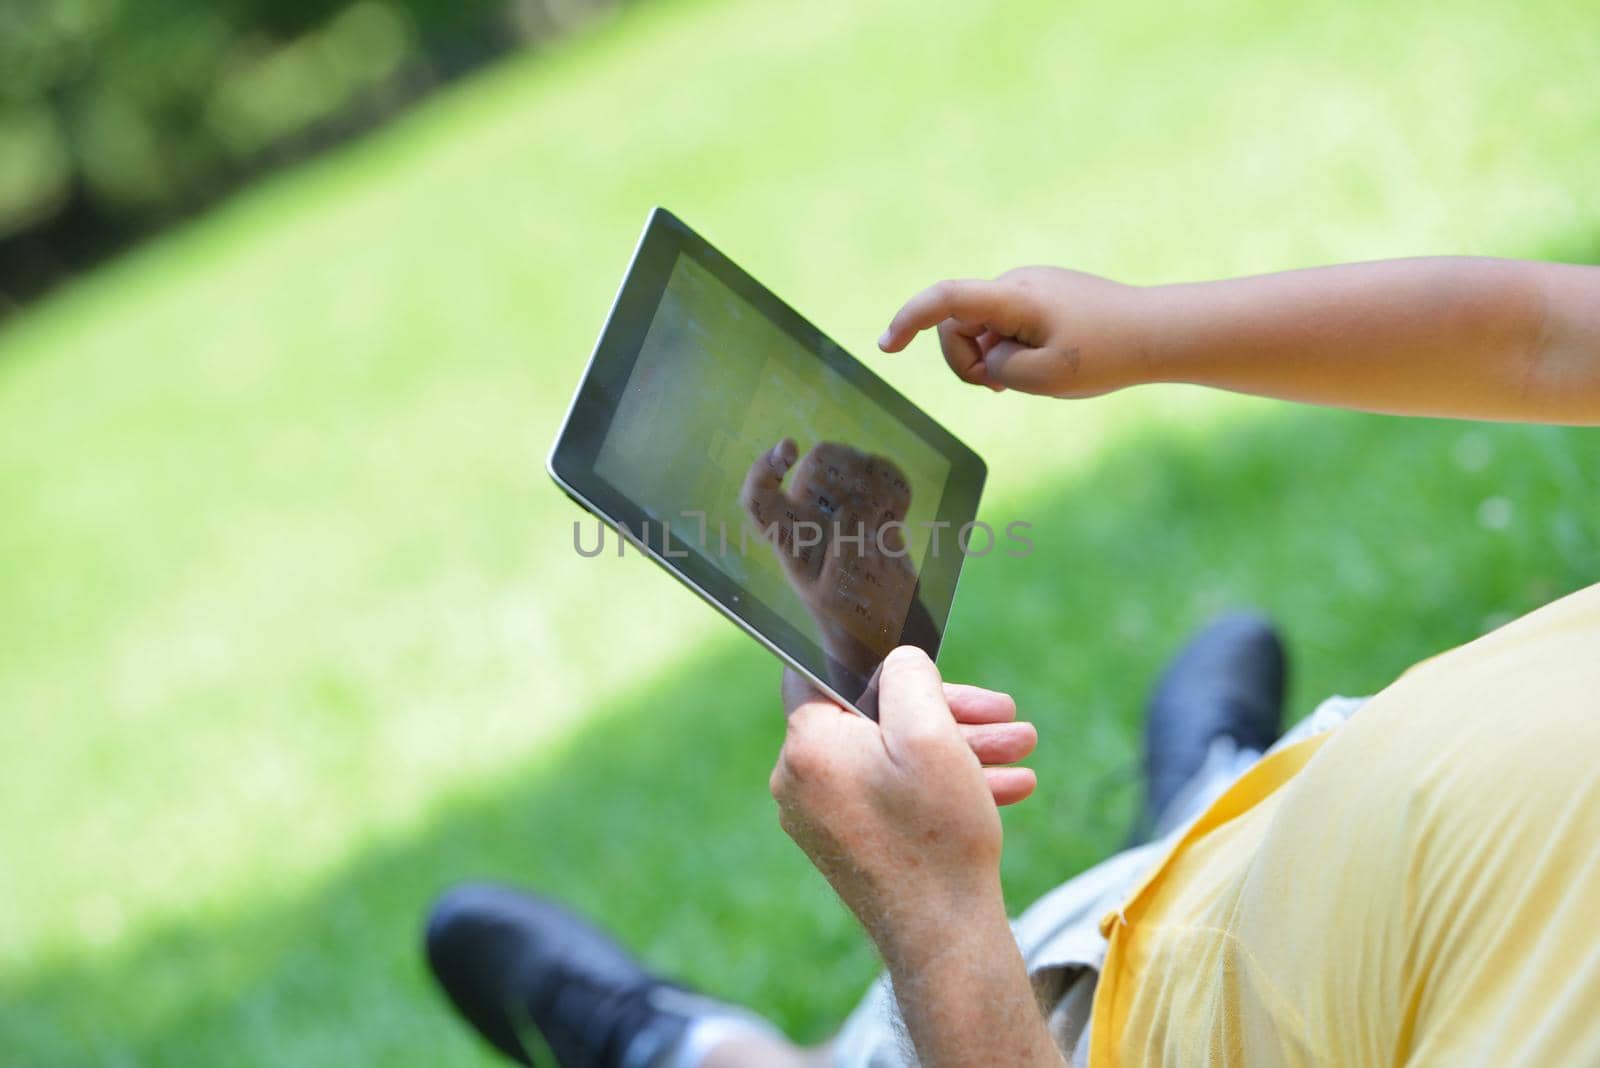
<point>572,459</point>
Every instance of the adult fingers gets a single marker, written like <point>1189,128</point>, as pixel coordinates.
<point>1009,785</point>
<point>969,300</point>
<point>808,754</point>
<point>798,690</point>
<point>1000,743</point>
<point>974,704</point>
<point>811,718</point>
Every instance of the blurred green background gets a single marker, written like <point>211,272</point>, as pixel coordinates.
<point>118,119</point>
<point>292,634</point>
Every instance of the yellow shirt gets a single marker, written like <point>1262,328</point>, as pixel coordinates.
<point>1419,887</point>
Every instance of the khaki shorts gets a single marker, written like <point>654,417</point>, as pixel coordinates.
<point>1059,934</point>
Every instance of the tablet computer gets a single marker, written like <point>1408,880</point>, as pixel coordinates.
<point>794,490</point>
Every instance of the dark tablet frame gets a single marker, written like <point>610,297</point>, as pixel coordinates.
<point>572,459</point>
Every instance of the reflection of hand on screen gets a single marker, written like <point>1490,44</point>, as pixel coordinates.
<point>838,532</point>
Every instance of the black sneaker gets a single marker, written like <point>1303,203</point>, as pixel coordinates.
<point>1229,680</point>
<point>530,974</point>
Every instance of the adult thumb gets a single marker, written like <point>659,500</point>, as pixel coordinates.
<point>911,702</point>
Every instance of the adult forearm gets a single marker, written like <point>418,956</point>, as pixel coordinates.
<point>1475,338</point>
<point>964,992</point>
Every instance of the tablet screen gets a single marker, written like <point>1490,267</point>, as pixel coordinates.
<point>786,479</point>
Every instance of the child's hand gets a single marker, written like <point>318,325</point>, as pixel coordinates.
<point>1038,329</point>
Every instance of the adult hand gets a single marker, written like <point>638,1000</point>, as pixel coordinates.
<point>1037,329</point>
<point>900,815</point>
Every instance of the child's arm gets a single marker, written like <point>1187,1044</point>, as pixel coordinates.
<point>1472,338</point>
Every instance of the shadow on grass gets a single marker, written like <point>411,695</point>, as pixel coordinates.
<point>1374,541</point>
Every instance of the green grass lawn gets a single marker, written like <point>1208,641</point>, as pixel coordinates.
<point>291,631</point>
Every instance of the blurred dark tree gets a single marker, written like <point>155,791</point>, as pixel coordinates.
<point>118,117</point>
